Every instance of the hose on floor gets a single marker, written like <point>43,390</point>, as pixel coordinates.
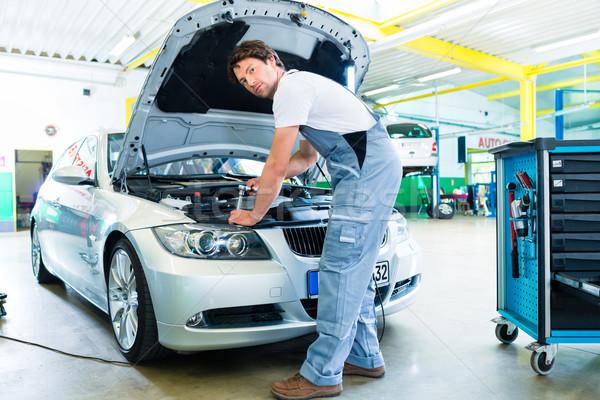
<point>96,359</point>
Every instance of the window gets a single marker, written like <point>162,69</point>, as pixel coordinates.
<point>86,157</point>
<point>482,164</point>
<point>115,141</point>
<point>68,156</point>
<point>408,131</point>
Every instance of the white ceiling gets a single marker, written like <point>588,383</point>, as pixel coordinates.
<point>87,30</point>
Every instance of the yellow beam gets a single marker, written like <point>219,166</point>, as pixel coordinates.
<point>438,49</point>
<point>201,1</point>
<point>369,29</point>
<point>592,54</point>
<point>558,67</point>
<point>527,109</point>
<point>448,52</point>
<point>434,5</point>
<point>456,89</point>
<point>543,88</point>
<point>141,60</point>
<point>551,110</point>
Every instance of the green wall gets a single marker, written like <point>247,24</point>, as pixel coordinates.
<point>7,218</point>
<point>408,195</point>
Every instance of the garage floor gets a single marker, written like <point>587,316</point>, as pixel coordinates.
<point>443,347</point>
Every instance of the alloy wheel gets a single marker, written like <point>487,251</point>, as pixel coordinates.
<point>35,252</point>
<point>123,299</point>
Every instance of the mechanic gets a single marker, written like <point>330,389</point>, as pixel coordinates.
<point>365,175</point>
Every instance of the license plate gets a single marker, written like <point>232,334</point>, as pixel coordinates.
<point>381,276</point>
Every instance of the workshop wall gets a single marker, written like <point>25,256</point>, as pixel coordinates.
<point>48,92</point>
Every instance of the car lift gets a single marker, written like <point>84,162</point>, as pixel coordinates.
<point>435,182</point>
<point>435,178</point>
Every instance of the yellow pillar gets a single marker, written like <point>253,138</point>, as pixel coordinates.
<point>528,108</point>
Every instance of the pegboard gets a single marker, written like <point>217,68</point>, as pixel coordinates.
<point>521,293</point>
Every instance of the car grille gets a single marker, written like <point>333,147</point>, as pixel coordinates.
<point>399,288</point>
<point>405,287</point>
<point>247,315</point>
<point>306,241</point>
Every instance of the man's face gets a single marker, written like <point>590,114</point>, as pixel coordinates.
<point>258,77</point>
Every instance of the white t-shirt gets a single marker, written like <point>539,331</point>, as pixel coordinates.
<point>304,98</point>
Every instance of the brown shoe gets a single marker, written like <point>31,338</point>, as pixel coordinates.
<point>300,388</point>
<point>350,369</point>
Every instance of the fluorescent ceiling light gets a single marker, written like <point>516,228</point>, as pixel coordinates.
<point>567,42</point>
<point>441,74</point>
<point>123,45</point>
<point>381,90</point>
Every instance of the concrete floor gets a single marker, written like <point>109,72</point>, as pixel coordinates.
<point>442,347</point>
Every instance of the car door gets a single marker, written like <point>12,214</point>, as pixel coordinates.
<point>78,205</point>
<point>72,204</point>
<point>49,228</point>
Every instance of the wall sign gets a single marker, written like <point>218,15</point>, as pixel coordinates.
<point>486,142</point>
<point>51,130</point>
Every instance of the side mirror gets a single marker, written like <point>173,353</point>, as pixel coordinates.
<point>72,175</point>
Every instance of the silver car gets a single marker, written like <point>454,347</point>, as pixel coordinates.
<point>416,146</point>
<point>136,222</point>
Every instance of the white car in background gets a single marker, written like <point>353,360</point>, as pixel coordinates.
<point>416,145</point>
<point>136,222</point>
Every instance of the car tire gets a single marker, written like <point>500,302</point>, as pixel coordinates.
<point>130,307</point>
<point>445,211</point>
<point>40,271</point>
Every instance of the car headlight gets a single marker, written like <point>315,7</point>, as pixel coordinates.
<point>212,242</point>
<point>401,226</point>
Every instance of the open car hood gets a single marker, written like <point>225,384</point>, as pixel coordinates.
<point>188,107</point>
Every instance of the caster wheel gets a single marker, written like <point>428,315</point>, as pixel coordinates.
<point>503,336</point>
<point>538,363</point>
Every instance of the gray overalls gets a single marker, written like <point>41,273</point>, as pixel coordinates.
<point>365,174</point>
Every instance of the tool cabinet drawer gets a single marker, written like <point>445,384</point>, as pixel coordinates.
<point>575,242</point>
<point>575,222</point>
<point>575,300</point>
<point>575,203</point>
<point>575,262</point>
<point>586,285</point>
<point>575,183</point>
<point>575,163</point>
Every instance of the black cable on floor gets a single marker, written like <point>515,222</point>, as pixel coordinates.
<point>96,359</point>
<point>382,311</point>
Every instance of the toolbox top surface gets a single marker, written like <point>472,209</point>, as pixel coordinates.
<point>515,148</point>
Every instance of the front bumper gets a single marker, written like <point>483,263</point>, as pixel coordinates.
<point>419,161</point>
<point>182,287</point>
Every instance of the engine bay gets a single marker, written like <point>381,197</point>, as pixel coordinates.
<point>212,200</point>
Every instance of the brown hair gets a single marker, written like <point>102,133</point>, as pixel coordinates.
<point>250,48</point>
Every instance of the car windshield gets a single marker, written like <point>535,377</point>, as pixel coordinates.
<point>408,131</point>
<point>209,166</point>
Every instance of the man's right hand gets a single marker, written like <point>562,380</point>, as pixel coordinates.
<point>253,185</point>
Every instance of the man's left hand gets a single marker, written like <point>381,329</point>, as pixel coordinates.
<point>243,217</point>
